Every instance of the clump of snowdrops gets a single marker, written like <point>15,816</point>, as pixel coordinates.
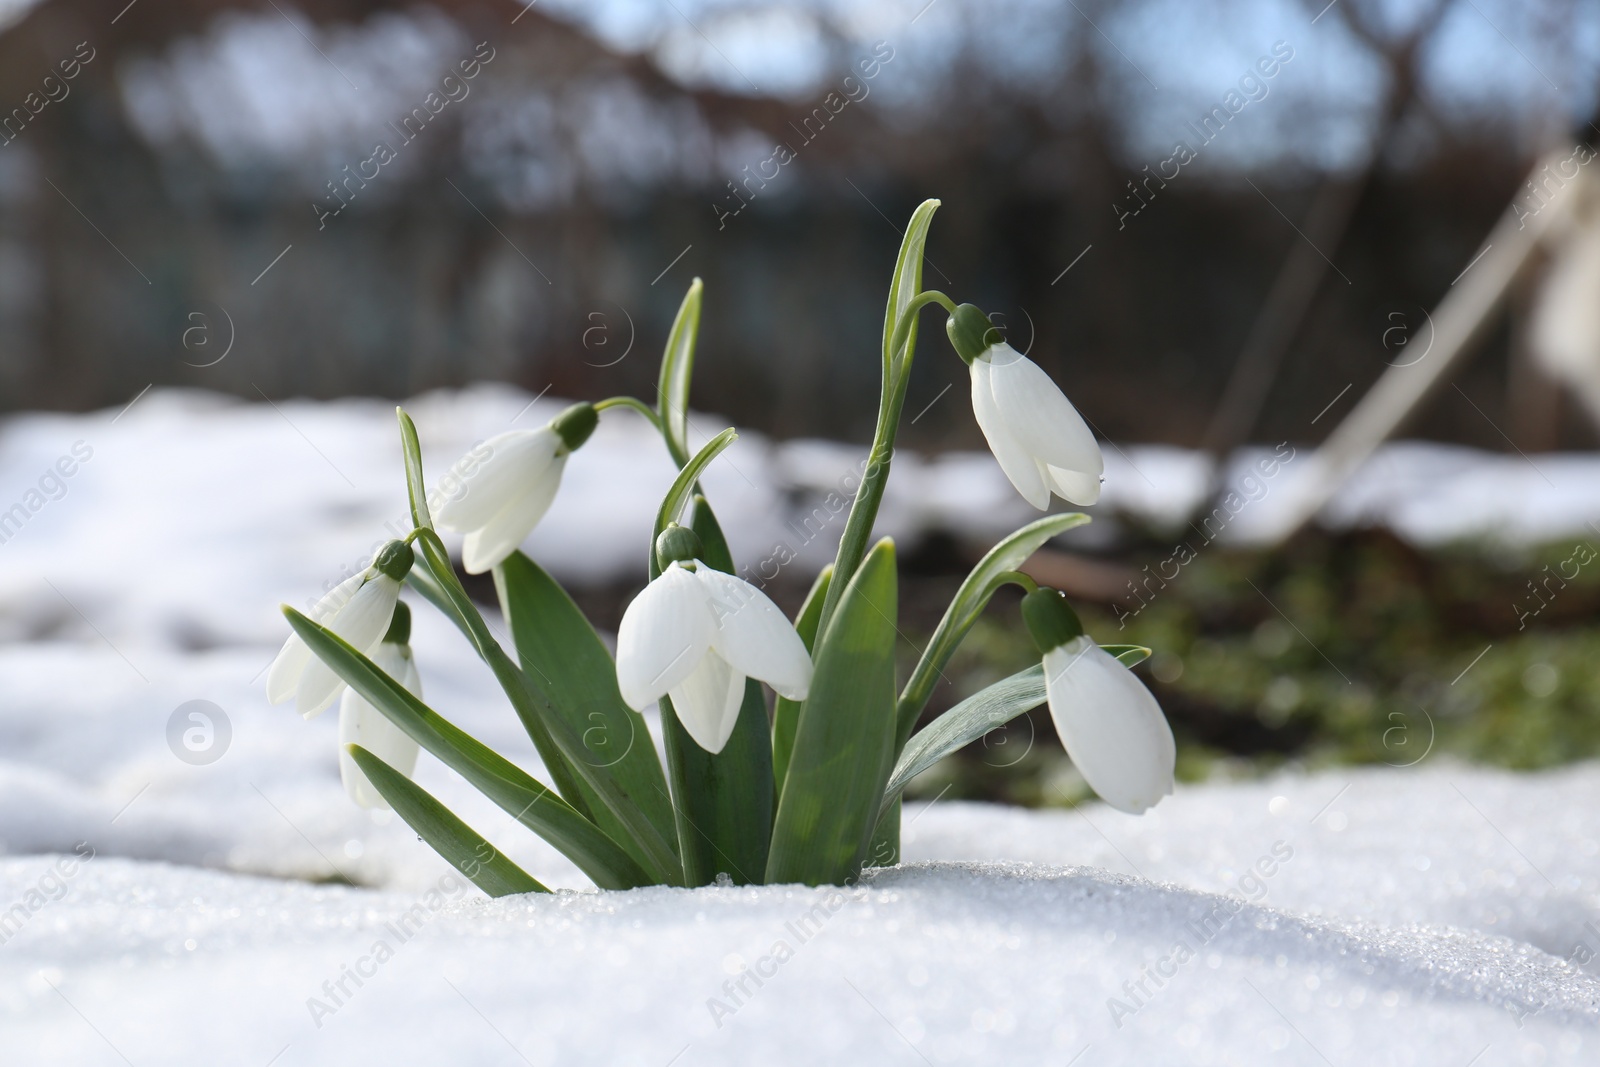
<point>808,791</point>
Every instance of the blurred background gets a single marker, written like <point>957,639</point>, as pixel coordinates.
<point>1217,223</point>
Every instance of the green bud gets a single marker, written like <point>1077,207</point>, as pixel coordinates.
<point>677,543</point>
<point>400,625</point>
<point>1050,619</point>
<point>395,560</point>
<point>575,424</point>
<point>971,332</point>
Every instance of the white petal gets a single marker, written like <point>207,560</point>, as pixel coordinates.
<point>362,623</point>
<point>1014,460</point>
<point>665,633</point>
<point>754,636</point>
<point>1041,418</point>
<point>362,724</point>
<point>517,459</point>
<point>504,533</point>
<point>284,674</point>
<point>707,702</point>
<point>1076,486</point>
<point>1110,725</point>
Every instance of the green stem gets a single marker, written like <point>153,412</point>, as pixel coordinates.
<point>631,402</point>
<point>946,639</point>
<point>909,317</point>
<point>892,399</point>
<point>1017,578</point>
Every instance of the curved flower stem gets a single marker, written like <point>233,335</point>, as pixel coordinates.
<point>631,402</point>
<point>1017,578</point>
<point>903,328</point>
<point>892,399</point>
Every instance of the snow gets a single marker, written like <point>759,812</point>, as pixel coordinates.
<point>1396,926</point>
<point>1409,916</point>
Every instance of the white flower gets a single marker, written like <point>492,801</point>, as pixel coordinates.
<point>358,610</point>
<point>695,634</point>
<point>1110,724</point>
<point>504,499</point>
<point>1040,440</point>
<point>362,724</point>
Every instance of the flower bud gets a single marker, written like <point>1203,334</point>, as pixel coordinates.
<point>971,332</point>
<point>575,424</point>
<point>677,544</point>
<point>400,625</point>
<point>395,559</point>
<point>1050,619</point>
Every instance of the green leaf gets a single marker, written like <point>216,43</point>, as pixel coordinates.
<point>970,600</point>
<point>677,371</point>
<point>1129,655</point>
<point>843,746</point>
<point>435,578</point>
<point>904,287</point>
<point>786,713</point>
<point>411,447</point>
<point>554,641</point>
<point>585,786</point>
<point>461,846</point>
<point>677,497</point>
<point>517,792</point>
<point>907,280</point>
<point>723,800</point>
<point>965,723</point>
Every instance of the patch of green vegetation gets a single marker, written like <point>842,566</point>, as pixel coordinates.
<point>1347,649</point>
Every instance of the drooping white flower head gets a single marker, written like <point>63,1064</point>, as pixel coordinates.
<point>358,609</point>
<point>362,724</point>
<point>505,495</point>
<point>1036,435</point>
<point>1107,720</point>
<point>695,634</point>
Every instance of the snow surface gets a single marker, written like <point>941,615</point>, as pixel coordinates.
<point>1424,916</point>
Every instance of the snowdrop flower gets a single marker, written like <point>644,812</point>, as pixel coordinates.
<point>1109,723</point>
<point>505,496</point>
<point>362,724</point>
<point>695,634</point>
<point>358,610</point>
<point>1038,437</point>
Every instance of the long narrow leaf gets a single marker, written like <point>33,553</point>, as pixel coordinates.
<point>843,747</point>
<point>554,641</point>
<point>513,789</point>
<point>416,490</point>
<point>435,577</point>
<point>786,713</point>
<point>678,494</point>
<point>903,288</point>
<point>965,723</point>
<point>677,372</point>
<point>968,604</point>
<point>907,280</point>
<point>560,743</point>
<point>461,846</point>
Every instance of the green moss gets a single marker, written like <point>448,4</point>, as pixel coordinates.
<point>1354,649</point>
